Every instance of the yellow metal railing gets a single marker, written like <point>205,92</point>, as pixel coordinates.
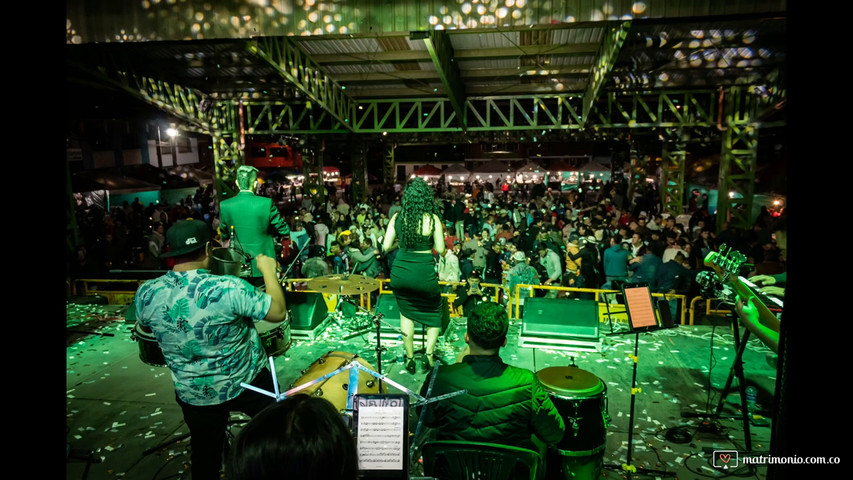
<point>122,291</point>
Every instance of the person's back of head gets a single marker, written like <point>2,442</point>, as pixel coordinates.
<point>487,326</point>
<point>303,436</point>
<point>246,177</point>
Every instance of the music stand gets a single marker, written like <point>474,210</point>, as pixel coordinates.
<point>641,318</point>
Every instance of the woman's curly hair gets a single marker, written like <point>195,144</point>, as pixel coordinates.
<point>418,199</point>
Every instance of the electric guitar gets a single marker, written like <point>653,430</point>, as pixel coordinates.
<point>752,311</point>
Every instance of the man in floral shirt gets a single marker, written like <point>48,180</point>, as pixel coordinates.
<point>208,327</point>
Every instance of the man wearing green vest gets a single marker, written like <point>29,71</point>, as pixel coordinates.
<point>250,221</point>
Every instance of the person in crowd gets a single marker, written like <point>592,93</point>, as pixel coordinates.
<point>207,327</point>
<point>503,404</point>
<point>339,261</point>
<point>520,273</point>
<point>637,242</point>
<point>249,222</point>
<point>418,230</point>
<point>365,259</point>
<point>616,262</point>
<point>301,240</point>
<point>301,434</point>
<point>156,243</point>
<point>673,276</point>
<point>448,264</point>
<point>645,265</point>
<point>774,284</point>
<point>588,268</point>
<point>549,259</point>
<point>321,230</point>
<point>493,272</point>
<point>470,293</point>
<point>573,266</point>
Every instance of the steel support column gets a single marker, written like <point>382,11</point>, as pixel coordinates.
<point>637,169</point>
<point>673,160</point>
<point>359,170</point>
<point>738,161</point>
<point>227,156</point>
<point>312,164</point>
<point>389,169</point>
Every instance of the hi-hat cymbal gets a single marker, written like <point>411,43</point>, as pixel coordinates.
<point>343,284</point>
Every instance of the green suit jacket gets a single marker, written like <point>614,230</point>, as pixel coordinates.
<point>252,221</point>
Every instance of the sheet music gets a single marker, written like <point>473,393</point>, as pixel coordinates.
<point>381,430</point>
<point>639,301</point>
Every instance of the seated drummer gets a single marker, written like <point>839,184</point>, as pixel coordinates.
<point>504,404</point>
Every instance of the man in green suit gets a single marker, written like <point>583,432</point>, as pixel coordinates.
<point>250,221</point>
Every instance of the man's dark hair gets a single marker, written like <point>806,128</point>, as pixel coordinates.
<point>487,325</point>
<point>301,432</point>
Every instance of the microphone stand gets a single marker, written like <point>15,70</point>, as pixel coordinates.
<point>246,257</point>
<point>377,321</point>
<point>293,262</point>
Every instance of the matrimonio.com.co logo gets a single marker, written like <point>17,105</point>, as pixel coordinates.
<point>725,459</point>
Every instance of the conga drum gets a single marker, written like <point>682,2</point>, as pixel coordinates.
<point>581,399</point>
<point>149,349</point>
<point>336,387</point>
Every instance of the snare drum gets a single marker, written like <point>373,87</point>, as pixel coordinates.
<point>149,349</point>
<point>335,388</point>
<point>277,340</point>
<point>581,399</point>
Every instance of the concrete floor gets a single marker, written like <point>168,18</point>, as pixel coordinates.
<point>124,411</point>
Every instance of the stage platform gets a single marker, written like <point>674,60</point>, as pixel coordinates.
<point>124,410</point>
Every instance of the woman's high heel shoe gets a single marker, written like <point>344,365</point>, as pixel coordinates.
<point>410,365</point>
<point>429,361</point>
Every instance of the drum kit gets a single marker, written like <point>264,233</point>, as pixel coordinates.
<point>353,284</point>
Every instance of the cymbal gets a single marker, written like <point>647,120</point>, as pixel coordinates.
<point>343,284</point>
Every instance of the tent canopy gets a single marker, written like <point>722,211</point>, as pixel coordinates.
<point>455,169</point>
<point>427,171</point>
<point>593,166</point>
<point>532,167</point>
<point>563,166</point>
<point>492,166</point>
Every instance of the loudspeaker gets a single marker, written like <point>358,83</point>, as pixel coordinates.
<point>307,309</point>
<point>560,318</point>
<point>387,306</point>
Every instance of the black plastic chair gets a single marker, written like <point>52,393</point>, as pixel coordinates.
<point>455,460</point>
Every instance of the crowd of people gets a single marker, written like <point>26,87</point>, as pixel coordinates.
<point>593,237</point>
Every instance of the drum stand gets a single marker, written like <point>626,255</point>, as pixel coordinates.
<point>627,467</point>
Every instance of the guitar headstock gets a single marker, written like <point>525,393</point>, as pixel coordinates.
<point>726,261</point>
